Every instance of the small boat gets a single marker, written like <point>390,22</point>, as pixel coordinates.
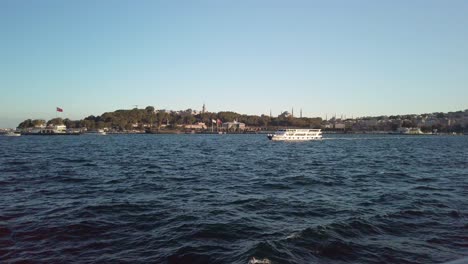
<point>296,135</point>
<point>407,131</point>
<point>97,132</point>
<point>12,134</point>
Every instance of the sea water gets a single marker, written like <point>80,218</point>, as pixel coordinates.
<point>227,198</point>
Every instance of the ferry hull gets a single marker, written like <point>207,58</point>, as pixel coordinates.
<point>273,138</point>
<point>296,135</point>
<point>49,134</point>
<point>12,135</point>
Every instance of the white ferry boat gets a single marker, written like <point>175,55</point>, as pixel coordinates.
<point>49,130</point>
<point>97,132</point>
<point>296,135</point>
<point>12,134</point>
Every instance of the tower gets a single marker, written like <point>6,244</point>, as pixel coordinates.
<point>292,112</point>
<point>203,108</point>
<point>301,113</point>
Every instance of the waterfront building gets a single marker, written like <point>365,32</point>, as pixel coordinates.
<point>233,125</point>
<point>340,125</point>
<point>199,126</point>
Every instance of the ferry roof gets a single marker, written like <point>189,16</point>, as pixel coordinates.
<point>299,129</point>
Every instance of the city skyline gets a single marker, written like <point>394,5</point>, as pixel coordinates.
<point>59,113</point>
<point>356,59</point>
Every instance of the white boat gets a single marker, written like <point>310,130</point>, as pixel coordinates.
<point>296,135</point>
<point>408,131</point>
<point>97,132</point>
<point>50,130</point>
<point>46,130</point>
<point>12,134</point>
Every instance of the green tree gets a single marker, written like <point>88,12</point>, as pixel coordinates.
<point>149,109</point>
<point>55,121</point>
<point>38,122</point>
<point>69,123</point>
<point>31,123</point>
<point>25,124</point>
<point>407,123</point>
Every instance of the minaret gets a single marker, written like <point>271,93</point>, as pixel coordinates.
<point>203,109</point>
<point>270,113</point>
<point>292,112</point>
<point>301,112</point>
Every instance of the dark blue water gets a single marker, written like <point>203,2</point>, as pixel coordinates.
<point>226,198</point>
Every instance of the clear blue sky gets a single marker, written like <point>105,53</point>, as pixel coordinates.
<point>346,57</point>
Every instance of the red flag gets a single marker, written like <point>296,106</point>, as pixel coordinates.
<point>219,121</point>
<point>59,109</point>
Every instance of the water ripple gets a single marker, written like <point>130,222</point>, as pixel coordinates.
<point>226,198</point>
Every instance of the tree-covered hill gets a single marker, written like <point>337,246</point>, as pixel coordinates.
<point>152,118</point>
